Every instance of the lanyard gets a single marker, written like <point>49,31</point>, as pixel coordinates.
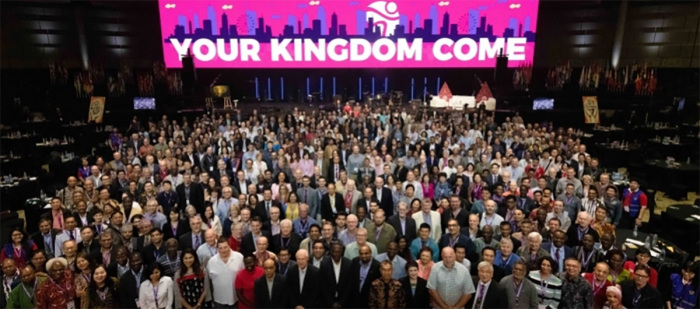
<point>585,260</point>
<point>597,288</point>
<point>155,295</point>
<point>64,289</point>
<point>283,243</point>
<point>30,295</point>
<point>518,290</point>
<point>543,287</point>
<point>581,233</point>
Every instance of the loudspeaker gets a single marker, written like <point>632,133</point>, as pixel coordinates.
<point>189,76</point>
<point>500,75</point>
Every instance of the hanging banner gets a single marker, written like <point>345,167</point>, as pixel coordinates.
<point>97,109</point>
<point>590,110</point>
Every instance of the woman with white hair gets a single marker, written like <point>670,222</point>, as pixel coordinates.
<point>59,290</point>
<point>614,296</point>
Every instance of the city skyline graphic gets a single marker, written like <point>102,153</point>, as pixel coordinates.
<point>252,24</point>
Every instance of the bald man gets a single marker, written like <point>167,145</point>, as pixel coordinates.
<point>269,289</point>
<point>447,285</point>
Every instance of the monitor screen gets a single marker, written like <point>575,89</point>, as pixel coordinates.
<point>348,34</point>
<point>144,103</point>
<point>543,104</point>
<point>681,104</point>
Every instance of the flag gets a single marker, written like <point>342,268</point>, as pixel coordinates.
<point>484,93</point>
<point>590,110</point>
<point>445,92</point>
<point>96,110</point>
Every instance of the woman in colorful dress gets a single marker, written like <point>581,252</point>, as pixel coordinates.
<point>102,291</point>
<point>19,248</point>
<point>191,282</point>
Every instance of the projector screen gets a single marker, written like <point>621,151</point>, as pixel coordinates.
<point>543,104</point>
<point>144,103</point>
<point>348,34</point>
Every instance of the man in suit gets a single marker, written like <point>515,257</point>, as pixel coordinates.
<point>130,282</point>
<point>333,173</point>
<point>558,250</point>
<point>365,200</point>
<point>249,241</point>
<point>190,156</point>
<point>383,195</point>
<point>106,252</point>
<point>494,178</point>
<point>241,183</point>
<point>582,227</point>
<point>336,289</point>
<point>195,237</point>
<point>304,294</point>
<point>401,171</point>
<point>365,170</point>
<point>46,237</point>
<point>379,233</point>
<point>308,195</point>
<point>88,243</point>
<point>270,296</point>
<point>208,161</point>
<point>403,224</point>
<point>456,212</point>
<point>155,249</point>
<point>221,171</point>
<point>363,271</point>
<point>331,204</point>
<point>489,293</point>
<point>431,217</point>
<point>262,210</point>
<point>190,194</point>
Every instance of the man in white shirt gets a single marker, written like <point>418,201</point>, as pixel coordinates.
<point>223,268</point>
<point>490,216</point>
<point>70,233</point>
<point>209,249</point>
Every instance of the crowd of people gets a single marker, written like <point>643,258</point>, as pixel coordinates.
<point>355,207</point>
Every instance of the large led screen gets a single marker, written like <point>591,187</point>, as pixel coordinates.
<point>348,34</point>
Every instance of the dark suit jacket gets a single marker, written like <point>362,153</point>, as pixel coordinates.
<point>330,286</point>
<point>195,158</point>
<point>94,245</point>
<point>491,183</point>
<point>309,297</point>
<point>494,298</point>
<point>395,222</point>
<point>421,299</point>
<point>401,173</point>
<point>149,253</point>
<point>183,227</point>
<point>462,218</point>
<point>185,240</point>
<point>262,294</point>
<point>568,252</point>
<point>292,244</point>
<point>651,298</point>
<point>326,211</point>
<point>261,212</point>
<point>361,174</point>
<point>248,245</point>
<point>216,174</point>
<point>387,202</point>
<point>236,184</point>
<point>572,235</point>
<point>330,172</point>
<point>128,293</point>
<point>97,256</point>
<point>196,196</point>
<point>527,205</point>
<point>362,202</point>
<point>38,239</point>
<point>360,297</point>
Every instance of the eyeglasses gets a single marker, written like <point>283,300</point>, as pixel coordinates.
<point>641,275</point>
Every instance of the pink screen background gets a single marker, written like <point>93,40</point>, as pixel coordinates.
<point>244,16</point>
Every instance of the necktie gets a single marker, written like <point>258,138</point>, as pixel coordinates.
<point>72,235</point>
<point>306,191</point>
<point>336,172</point>
<point>267,207</point>
<point>480,296</point>
<point>557,256</point>
<point>196,241</point>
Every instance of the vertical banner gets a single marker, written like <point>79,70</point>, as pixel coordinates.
<point>97,109</point>
<point>590,110</point>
